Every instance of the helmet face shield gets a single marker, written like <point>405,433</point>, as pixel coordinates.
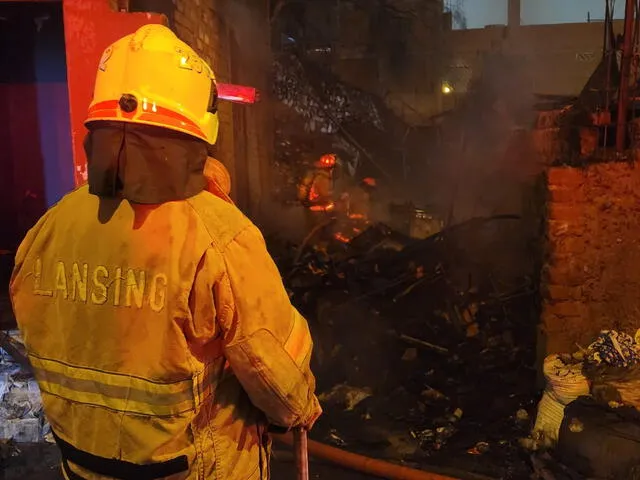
<point>213,98</point>
<point>172,86</point>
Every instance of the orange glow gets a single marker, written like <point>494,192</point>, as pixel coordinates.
<point>340,237</point>
<point>322,208</point>
<point>110,109</point>
<point>328,160</point>
<point>369,181</point>
<point>313,194</point>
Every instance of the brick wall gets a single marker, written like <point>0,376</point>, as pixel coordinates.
<point>591,279</point>
<point>559,58</point>
<point>216,29</point>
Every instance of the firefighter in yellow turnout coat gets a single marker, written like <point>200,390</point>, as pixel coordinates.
<point>158,328</point>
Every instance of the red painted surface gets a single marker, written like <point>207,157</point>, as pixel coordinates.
<point>22,186</point>
<point>90,26</point>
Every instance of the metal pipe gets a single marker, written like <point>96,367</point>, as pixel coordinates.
<point>301,453</point>
<point>627,54</point>
<point>513,14</point>
<point>606,28</point>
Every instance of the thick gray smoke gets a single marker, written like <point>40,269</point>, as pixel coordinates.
<point>485,165</point>
<point>251,37</point>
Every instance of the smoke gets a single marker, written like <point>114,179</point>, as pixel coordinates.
<point>458,13</point>
<point>486,165</point>
<point>251,35</point>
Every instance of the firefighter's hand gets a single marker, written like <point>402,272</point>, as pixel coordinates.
<point>316,411</point>
<point>307,424</point>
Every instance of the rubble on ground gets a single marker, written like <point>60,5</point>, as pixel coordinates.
<point>424,353</point>
<point>588,420</point>
<point>21,411</point>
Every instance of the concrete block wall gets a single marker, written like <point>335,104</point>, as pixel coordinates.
<point>591,276</point>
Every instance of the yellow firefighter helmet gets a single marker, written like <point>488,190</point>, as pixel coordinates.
<point>151,77</point>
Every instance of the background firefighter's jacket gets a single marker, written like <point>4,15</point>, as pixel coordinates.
<point>316,188</point>
<point>154,332</point>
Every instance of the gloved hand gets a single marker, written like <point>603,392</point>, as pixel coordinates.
<point>316,411</point>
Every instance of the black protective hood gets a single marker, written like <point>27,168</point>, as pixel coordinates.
<point>143,164</point>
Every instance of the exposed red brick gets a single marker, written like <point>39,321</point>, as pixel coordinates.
<point>566,212</point>
<point>591,279</point>
<point>572,247</point>
<point>566,176</point>
<point>564,274</point>
<point>565,194</point>
<point>555,293</point>
<point>567,309</point>
<point>550,321</point>
<point>557,228</point>
<point>588,141</point>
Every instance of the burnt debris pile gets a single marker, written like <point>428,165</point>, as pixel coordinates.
<point>424,349</point>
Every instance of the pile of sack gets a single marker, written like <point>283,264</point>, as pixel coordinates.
<point>590,410</point>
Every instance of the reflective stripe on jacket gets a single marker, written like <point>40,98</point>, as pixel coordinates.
<point>161,337</point>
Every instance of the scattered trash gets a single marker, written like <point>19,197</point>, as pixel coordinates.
<point>565,383</point>
<point>589,413</point>
<point>522,415</point>
<point>335,439</point>
<point>410,354</point>
<point>21,413</point>
<point>614,348</point>
<point>479,448</point>
<point>345,395</point>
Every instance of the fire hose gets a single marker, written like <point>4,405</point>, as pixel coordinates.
<point>352,461</point>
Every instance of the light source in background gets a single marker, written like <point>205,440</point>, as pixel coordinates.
<point>447,88</point>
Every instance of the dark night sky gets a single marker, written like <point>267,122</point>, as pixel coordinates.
<point>486,12</point>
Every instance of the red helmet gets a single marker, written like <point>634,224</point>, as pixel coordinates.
<point>327,161</point>
<point>369,181</point>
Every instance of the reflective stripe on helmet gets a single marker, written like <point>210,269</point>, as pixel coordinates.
<point>121,392</point>
<point>154,115</point>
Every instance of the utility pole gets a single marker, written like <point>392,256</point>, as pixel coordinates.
<point>627,54</point>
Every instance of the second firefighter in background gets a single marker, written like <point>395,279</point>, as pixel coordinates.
<point>316,192</point>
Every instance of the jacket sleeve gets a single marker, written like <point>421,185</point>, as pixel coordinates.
<point>267,342</point>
